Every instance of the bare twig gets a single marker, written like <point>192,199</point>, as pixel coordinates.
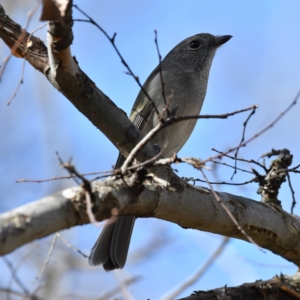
<point>168,122</point>
<point>19,83</point>
<point>150,162</point>
<point>13,292</point>
<point>108,295</point>
<point>294,102</point>
<point>72,176</point>
<point>23,66</point>
<point>20,39</point>
<point>138,147</point>
<point>264,265</point>
<point>89,210</point>
<point>70,246</point>
<point>86,185</point>
<point>44,180</point>
<point>250,161</point>
<point>198,274</point>
<point>242,140</point>
<point>123,285</point>
<point>230,166</point>
<point>293,193</point>
<point>112,41</point>
<point>238,226</point>
<point>18,265</point>
<point>47,260</point>
<point>222,182</point>
<point>15,276</point>
<point>160,69</point>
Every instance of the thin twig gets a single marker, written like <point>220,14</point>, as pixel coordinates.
<point>47,260</point>
<point>222,182</point>
<point>112,41</point>
<point>44,180</point>
<point>107,295</point>
<point>293,193</point>
<point>160,69</point>
<point>230,166</point>
<point>18,265</point>
<point>123,285</point>
<point>242,140</point>
<point>72,170</point>
<point>89,210</point>
<point>168,122</point>
<point>294,102</point>
<point>70,246</point>
<point>139,146</point>
<point>264,265</point>
<point>198,274</point>
<point>20,39</point>
<point>72,176</point>
<point>250,161</point>
<point>229,213</point>
<point>13,292</point>
<point>21,81</point>
<point>115,290</point>
<point>15,276</point>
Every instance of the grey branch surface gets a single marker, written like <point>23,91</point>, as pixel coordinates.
<point>178,202</point>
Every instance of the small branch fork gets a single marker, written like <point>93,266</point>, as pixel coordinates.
<point>243,144</point>
<point>270,184</point>
<point>172,119</point>
<point>242,140</point>
<point>86,185</point>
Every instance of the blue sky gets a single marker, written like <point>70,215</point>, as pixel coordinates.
<point>259,65</point>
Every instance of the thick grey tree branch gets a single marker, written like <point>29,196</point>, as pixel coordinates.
<point>187,206</point>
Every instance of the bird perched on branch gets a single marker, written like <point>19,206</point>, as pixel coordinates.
<point>179,84</point>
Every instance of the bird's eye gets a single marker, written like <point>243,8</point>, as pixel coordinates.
<point>194,44</point>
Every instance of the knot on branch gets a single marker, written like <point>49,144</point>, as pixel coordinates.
<point>135,180</point>
<point>270,184</point>
<point>60,24</point>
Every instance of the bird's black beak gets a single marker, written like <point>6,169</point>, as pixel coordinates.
<point>220,40</point>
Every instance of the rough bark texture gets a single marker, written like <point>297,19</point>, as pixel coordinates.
<point>280,287</point>
<point>187,206</point>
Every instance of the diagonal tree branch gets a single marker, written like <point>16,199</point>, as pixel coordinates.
<point>64,74</point>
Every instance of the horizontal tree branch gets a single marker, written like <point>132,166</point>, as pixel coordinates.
<point>185,205</point>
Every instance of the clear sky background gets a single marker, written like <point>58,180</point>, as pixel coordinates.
<point>259,65</point>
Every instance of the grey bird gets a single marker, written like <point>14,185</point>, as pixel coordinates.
<point>185,72</point>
